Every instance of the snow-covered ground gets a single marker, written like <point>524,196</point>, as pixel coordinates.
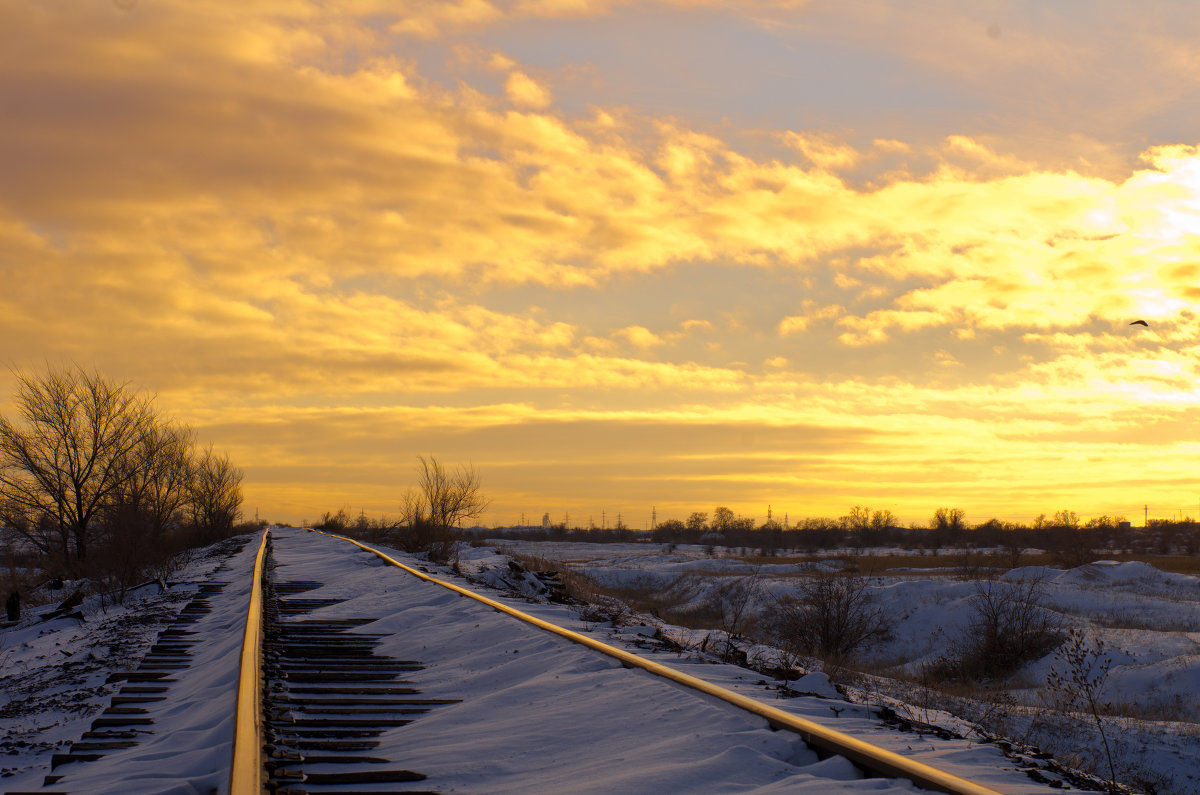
<point>538,713</point>
<point>1147,619</point>
<point>541,714</point>
<point>54,684</point>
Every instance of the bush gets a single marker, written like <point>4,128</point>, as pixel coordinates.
<point>1010,626</point>
<point>439,542</point>
<point>831,616</point>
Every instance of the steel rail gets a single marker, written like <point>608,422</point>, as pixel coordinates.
<point>246,773</point>
<point>868,757</point>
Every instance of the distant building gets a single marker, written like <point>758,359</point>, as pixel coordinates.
<point>546,521</point>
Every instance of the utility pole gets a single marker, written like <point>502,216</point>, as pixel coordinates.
<point>603,520</point>
<point>653,517</point>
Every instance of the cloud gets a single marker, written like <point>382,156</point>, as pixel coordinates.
<point>640,337</point>
<point>302,240</point>
<point>522,90</point>
<point>795,324</point>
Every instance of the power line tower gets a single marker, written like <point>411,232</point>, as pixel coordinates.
<point>653,517</point>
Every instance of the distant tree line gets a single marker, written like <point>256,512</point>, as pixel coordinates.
<point>1062,534</point>
<point>94,481</point>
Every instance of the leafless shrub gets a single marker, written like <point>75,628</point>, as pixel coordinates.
<point>338,522</point>
<point>1076,681</point>
<point>972,566</point>
<point>590,602</point>
<point>1010,625</point>
<point>732,608</point>
<point>443,498</point>
<point>431,514</point>
<point>601,609</point>
<point>831,616</point>
<point>166,567</point>
<point>438,542</point>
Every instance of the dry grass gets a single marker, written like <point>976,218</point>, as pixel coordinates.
<point>649,601</point>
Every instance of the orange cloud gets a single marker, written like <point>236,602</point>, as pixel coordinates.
<point>300,240</point>
<point>522,90</point>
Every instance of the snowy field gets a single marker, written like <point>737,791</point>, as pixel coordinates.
<point>1147,619</point>
<point>540,714</point>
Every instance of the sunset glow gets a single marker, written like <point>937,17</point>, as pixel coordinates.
<point>624,256</point>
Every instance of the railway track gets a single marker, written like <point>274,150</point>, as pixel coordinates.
<point>325,693</point>
<point>330,693</point>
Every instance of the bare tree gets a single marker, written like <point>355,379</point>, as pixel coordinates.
<point>953,519</point>
<point>882,520</point>
<point>215,494</point>
<point>443,498</point>
<point>722,519</point>
<point>858,519</point>
<point>157,482</point>
<point>65,461</point>
<point>1067,519</point>
<point>431,513</point>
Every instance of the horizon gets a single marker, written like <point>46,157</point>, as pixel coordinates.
<point>607,521</point>
<point>802,254</point>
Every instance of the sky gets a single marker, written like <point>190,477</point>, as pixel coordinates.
<point>624,257</point>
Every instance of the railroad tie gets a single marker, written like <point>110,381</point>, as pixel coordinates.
<point>128,720</point>
<point>328,695</point>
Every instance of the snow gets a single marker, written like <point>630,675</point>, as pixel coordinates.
<point>543,714</point>
<point>539,713</point>
<point>1148,619</point>
<point>48,706</point>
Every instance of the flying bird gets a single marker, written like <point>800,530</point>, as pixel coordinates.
<point>1140,323</point>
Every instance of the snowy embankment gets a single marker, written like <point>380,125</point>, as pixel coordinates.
<point>1147,619</point>
<point>55,674</point>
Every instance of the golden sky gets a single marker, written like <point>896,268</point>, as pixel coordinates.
<point>624,254</point>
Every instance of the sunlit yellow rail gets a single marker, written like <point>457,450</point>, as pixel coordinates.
<point>871,758</point>
<point>246,772</point>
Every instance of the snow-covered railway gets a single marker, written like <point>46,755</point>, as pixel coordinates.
<point>293,759</point>
<point>349,671</point>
